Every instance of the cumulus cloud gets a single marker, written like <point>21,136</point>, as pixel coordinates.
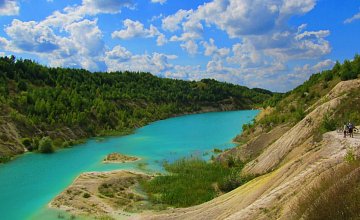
<point>212,50</point>
<point>120,59</point>
<point>94,7</point>
<point>353,18</point>
<point>88,7</point>
<point>159,1</point>
<point>190,46</point>
<point>82,46</point>
<point>9,7</point>
<point>3,43</point>
<point>135,29</point>
<point>172,22</point>
<point>32,36</point>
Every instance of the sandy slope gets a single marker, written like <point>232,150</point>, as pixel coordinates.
<point>289,165</point>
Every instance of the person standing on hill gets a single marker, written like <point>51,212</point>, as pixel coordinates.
<point>351,129</point>
<point>345,129</point>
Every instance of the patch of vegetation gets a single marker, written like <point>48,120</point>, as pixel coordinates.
<point>86,195</point>
<point>217,151</point>
<point>4,159</point>
<point>46,145</point>
<point>350,156</point>
<point>335,197</point>
<point>328,124</point>
<point>192,181</point>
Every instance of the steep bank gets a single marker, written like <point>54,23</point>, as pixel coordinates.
<point>287,167</point>
<point>71,104</point>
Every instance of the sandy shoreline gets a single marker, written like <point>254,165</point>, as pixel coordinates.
<point>102,194</point>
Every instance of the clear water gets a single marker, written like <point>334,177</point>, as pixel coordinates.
<point>28,183</point>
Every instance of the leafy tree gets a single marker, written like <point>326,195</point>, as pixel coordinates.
<point>45,145</point>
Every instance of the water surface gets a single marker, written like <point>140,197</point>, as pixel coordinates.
<point>28,183</point>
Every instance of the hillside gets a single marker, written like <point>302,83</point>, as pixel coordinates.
<point>304,168</point>
<point>70,104</point>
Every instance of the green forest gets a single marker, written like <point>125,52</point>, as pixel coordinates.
<point>66,105</point>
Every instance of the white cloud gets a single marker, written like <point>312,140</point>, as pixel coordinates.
<point>263,24</point>
<point>119,59</point>
<point>118,53</point>
<point>31,36</point>
<point>172,22</point>
<point>94,7</point>
<point>161,40</point>
<point>324,65</point>
<point>135,29</point>
<point>82,47</point>
<point>87,37</point>
<point>9,8</point>
<point>190,46</point>
<point>245,55</point>
<point>212,50</point>
<point>159,1</point>
<point>3,43</point>
<point>353,18</point>
<point>88,7</point>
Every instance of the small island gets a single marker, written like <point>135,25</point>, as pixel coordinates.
<point>119,158</point>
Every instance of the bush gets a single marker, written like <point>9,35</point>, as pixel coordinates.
<point>231,181</point>
<point>46,145</point>
<point>328,75</point>
<point>27,142</point>
<point>86,195</point>
<point>348,75</point>
<point>4,159</point>
<point>328,124</point>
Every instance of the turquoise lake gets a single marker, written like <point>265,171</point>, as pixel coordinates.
<point>30,182</point>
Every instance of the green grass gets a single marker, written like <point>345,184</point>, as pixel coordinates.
<point>191,181</point>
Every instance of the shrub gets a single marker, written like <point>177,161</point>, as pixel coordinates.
<point>86,195</point>
<point>4,159</point>
<point>328,123</point>
<point>27,142</point>
<point>45,145</point>
<point>348,75</point>
<point>328,76</point>
<point>231,181</point>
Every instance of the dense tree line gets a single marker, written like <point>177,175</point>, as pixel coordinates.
<point>49,99</point>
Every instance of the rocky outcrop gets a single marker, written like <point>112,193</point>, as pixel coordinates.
<point>9,139</point>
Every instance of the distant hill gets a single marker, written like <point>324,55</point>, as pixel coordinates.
<point>70,104</point>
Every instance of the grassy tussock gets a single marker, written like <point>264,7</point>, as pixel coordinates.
<point>336,196</point>
<point>193,181</point>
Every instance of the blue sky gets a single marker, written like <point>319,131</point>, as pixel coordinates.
<point>272,44</point>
